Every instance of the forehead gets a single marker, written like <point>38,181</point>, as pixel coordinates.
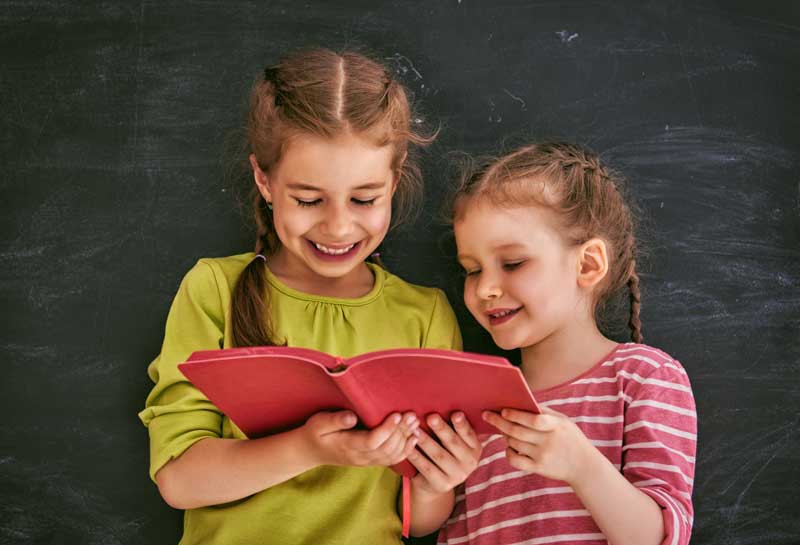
<point>485,227</point>
<point>333,163</point>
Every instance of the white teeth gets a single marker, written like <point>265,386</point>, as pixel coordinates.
<point>501,314</point>
<point>332,251</point>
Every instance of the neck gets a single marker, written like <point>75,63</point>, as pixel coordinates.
<point>356,283</point>
<point>565,354</point>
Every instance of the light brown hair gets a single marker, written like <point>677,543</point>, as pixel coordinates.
<point>587,197</point>
<point>323,93</point>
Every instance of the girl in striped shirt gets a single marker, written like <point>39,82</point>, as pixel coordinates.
<point>546,239</point>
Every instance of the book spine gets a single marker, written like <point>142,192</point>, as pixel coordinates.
<point>366,408</point>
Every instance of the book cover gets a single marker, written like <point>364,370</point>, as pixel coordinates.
<point>267,390</point>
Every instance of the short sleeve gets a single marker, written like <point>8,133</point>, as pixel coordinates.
<point>176,414</point>
<point>659,444</point>
<point>443,331</point>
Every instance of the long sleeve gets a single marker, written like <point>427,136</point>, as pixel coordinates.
<point>659,444</point>
<point>176,414</point>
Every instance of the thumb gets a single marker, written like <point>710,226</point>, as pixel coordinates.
<point>332,422</point>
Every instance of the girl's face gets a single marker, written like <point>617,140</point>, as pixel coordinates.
<point>521,277</point>
<point>331,203</point>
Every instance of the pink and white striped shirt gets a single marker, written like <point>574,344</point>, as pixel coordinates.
<point>636,406</point>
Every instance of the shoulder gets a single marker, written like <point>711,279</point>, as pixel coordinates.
<point>218,272</point>
<point>401,292</point>
<point>645,359</point>
<point>648,369</point>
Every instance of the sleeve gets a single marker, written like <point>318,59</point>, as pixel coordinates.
<point>176,414</point>
<point>443,331</point>
<point>659,444</point>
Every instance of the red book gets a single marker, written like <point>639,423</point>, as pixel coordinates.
<point>266,390</point>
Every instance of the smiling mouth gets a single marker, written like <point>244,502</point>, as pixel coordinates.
<point>500,316</point>
<point>333,251</point>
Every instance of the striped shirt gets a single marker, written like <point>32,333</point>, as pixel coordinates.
<point>636,406</point>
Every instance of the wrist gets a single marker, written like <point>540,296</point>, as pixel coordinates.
<point>306,448</point>
<point>592,465</point>
<point>424,495</point>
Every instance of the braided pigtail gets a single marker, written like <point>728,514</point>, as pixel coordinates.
<point>251,323</point>
<point>635,322</point>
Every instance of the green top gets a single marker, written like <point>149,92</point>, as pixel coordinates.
<point>328,504</point>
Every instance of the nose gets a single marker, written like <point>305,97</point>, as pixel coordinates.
<point>488,286</point>
<point>337,222</point>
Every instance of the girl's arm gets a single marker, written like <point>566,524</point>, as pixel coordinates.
<point>551,445</point>
<point>649,501</point>
<point>215,471</point>
<point>441,468</point>
<point>624,514</point>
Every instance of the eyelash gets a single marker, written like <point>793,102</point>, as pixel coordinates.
<point>507,266</point>
<point>315,202</point>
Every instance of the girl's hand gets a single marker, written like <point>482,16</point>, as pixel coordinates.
<point>548,444</point>
<point>447,464</point>
<point>334,443</point>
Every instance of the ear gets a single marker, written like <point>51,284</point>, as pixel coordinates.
<point>592,262</point>
<point>261,179</point>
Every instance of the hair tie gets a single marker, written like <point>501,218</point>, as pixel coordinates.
<point>259,256</point>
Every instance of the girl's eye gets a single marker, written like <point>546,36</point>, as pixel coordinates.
<point>513,265</point>
<point>360,202</point>
<point>473,272</point>
<point>315,202</point>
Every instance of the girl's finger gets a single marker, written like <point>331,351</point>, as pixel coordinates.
<point>377,436</point>
<point>523,463</point>
<point>436,453</point>
<point>428,469</point>
<point>457,450</point>
<point>411,442</point>
<point>523,418</point>
<point>522,447</point>
<point>409,423</point>
<point>465,431</point>
<point>441,429</point>
<point>511,429</point>
<point>395,443</point>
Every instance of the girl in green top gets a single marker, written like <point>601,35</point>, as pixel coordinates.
<point>329,137</point>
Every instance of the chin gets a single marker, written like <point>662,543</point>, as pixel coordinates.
<point>506,343</point>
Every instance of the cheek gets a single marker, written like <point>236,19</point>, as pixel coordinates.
<point>292,221</point>
<point>471,299</point>
<point>377,220</point>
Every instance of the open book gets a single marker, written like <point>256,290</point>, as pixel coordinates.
<point>266,390</point>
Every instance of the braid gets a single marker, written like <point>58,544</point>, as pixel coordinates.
<point>636,303</point>
<point>250,317</point>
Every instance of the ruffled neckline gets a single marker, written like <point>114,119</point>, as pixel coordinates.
<point>378,274</point>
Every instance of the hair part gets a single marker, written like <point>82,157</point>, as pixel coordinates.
<point>587,196</point>
<point>323,93</point>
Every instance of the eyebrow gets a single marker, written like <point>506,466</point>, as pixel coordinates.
<point>307,187</point>
<point>509,246</point>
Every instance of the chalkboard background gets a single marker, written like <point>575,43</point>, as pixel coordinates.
<point>114,119</point>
